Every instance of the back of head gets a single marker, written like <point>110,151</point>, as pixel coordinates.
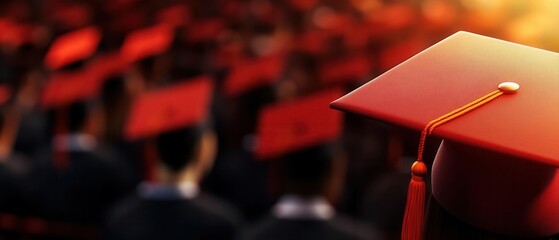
<point>179,147</point>
<point>307,172</point>
<point>77,116</point>
<point>72,118</point>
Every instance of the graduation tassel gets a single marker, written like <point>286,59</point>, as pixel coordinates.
<point>412,228</point>
<point>415,204</point>
<point>414,214</point>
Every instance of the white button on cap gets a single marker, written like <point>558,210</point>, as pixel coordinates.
<point>509,87</point>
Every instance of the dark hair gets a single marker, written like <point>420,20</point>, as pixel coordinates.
<point>306,171</point>
<point>442,225</point>
<point>177,148</point>
<point>77,115</point>
<point>112,89</point>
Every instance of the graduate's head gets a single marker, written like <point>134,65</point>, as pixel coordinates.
<point>177,118</point>
<point>314,171</point>
<point>78,113</point>
<point>80,117</point>
<point>300,136</point>
<point>189,147</point>
<point>70,99</point>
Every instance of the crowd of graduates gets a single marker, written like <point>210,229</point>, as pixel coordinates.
<point>90,91</point>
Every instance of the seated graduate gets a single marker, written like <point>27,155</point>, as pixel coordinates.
<point>300,136</point>
<point>77,177</point>
<point>174,122</point>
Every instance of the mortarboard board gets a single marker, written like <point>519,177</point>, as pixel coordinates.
<point>107,64</point>
<point>250,74</point>
<point>72,47</point>
<point>496,169</point>
<point>147,42</point>
<point>64,88</point>
<point>181,105</point>
<point>298,124</point>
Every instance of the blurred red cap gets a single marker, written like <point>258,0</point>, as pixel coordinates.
<point>298,124</point>
<point>72,47</point>
<point>147,42</point>
<point>64,88</point>
<point>181,105</point>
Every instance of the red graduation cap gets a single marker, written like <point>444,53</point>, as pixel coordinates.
<point>298,124</point>
<point>64,88</point>
<point>175,15</point>
<point>176,106</point>
<point>61,90</point>
<point>147,42</point>
<point>250,74</point>
<point>107,64</point>
<point>497,167</point>
<point>72,47</point>
<point>340,70</point>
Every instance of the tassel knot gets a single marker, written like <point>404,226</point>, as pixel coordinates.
<point>419,170</point>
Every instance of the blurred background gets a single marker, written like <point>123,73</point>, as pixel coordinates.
<point>258,52</point>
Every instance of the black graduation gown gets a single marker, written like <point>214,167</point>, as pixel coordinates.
<point>80,193</point>
<point>201,217</point>
<point>337,228</point>
<point>13,170</point>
